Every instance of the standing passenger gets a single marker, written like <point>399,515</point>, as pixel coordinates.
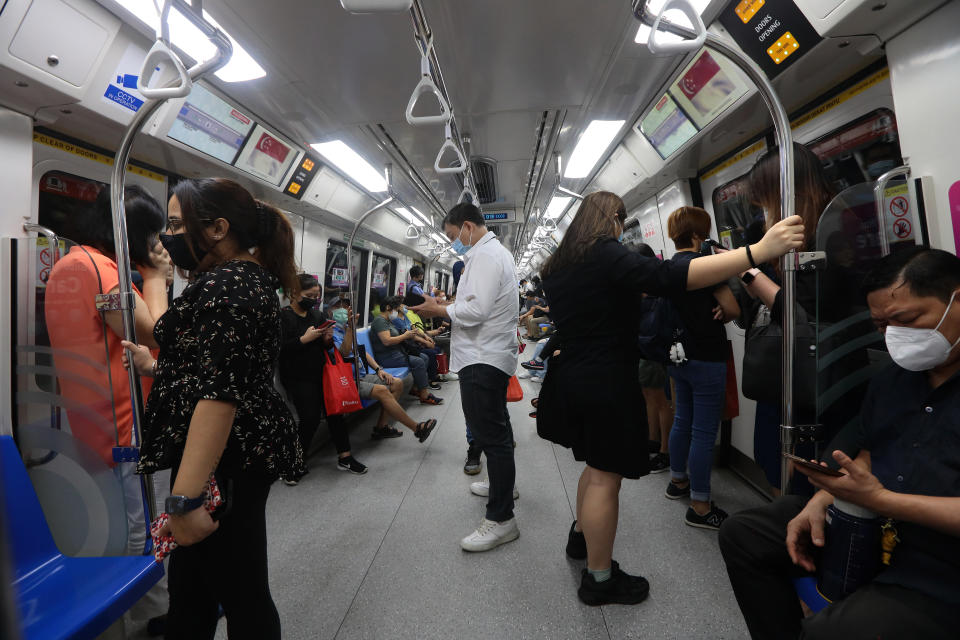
<point>484,354</point>
<point>592,385</point>
<point>213,407</point>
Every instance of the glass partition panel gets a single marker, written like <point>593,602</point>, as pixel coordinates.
<point>849,348</point>
<point>65,418</point>
<point>384,275</point>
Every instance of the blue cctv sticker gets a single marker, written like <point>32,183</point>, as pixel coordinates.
<point>123,98</point>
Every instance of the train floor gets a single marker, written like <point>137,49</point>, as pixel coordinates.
<point>377,556</point>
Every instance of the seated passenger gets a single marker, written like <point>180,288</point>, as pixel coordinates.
<point>701,380</point>
<point>388,349</point>
<point>901,462</point>
<point>537,314</point>
<point>379,385</point>
<point>302,358</point>
<point>419,344</point>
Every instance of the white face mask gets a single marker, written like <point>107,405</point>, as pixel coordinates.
<point>394,315</point>
<point>920,349</point>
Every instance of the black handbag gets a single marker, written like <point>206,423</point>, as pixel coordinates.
<point>552,423</point>
<point>763,363</point>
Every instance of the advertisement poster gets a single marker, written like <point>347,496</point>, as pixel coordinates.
<point>338,277</point>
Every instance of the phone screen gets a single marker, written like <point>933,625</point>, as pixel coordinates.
<point>327,325</point>
<point>813,466</point>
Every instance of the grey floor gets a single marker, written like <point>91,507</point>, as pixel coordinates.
<point>377,556</point>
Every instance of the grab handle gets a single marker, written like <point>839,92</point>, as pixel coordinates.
<point>448,143</point>
<point>427,85</point>
<point>683,46</point>
<point>161,53</point>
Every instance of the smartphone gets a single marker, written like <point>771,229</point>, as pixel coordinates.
<point>707,247</point>
<point>813,466</point>
<point>326,325</point>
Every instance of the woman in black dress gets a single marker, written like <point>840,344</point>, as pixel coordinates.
<point>213,407</point>
<point>591,393</point>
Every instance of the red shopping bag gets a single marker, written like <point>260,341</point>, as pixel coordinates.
<point>731,405</point>
<point>340,394</point>
<point>442,365</point>
<point>514,391</point>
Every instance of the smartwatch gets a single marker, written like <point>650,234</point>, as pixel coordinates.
<point>179,505</point>
<point>748,277</point>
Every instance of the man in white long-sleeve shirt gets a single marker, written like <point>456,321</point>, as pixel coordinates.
<point>483,352</point>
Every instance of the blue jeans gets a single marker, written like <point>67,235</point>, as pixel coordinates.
<point>483,393</point>
<point>700,387</point>
<point>417,364</point>
<point>537,352</point>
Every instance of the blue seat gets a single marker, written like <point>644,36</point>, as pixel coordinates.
<point>363,338</point>
<point>59,596</point>
<point>806,588</point>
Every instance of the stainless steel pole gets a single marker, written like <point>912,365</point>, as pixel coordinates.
<point>788,263</point>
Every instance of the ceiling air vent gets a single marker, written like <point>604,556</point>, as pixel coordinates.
<point>485,173</point>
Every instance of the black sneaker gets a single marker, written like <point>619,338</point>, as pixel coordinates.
<point>352,465</point>
<point>472,465</point>
<point>674,492</point>
<point>379,433</point>
<point>710,520</point>
<point>621,588</point>
<point>660,463</point>
<point>576,544</point>
<point>653,446</point>
<point>435,385</point>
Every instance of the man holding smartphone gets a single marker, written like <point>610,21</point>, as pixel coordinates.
<point>484,353</point>
<point>901,462</point>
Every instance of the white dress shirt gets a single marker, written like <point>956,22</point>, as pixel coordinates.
<point>484,316</point>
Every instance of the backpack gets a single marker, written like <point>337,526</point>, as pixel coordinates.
<point>660,334</point>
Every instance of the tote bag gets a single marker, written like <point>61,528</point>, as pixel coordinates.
<point>514,391</point>
<point>340,394</point>
<point>763,357</point>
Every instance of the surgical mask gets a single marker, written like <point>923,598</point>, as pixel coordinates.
<point>920,349</point>
<point>307,303</point>
<point>880,167</point>
<point>394,315</point>
<point>180,255</point>
<point>340,316</point>
<point>459,247</point>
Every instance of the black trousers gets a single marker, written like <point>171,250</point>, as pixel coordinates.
<point>227,568</point>
<point>753,546</point>
<point>483,394</point>
<point>307,397</point>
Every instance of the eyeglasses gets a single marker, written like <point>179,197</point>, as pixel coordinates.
<point>176,224</point>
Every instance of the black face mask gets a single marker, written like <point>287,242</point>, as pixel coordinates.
<point>176,245</point>
<point>307,303</point>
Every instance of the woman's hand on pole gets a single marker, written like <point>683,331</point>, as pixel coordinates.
<point>143,360</point>
<point>780,239</point>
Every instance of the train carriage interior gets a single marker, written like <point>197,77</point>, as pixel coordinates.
<point>364,122</point>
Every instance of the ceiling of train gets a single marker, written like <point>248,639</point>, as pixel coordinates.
<point>506,64</point>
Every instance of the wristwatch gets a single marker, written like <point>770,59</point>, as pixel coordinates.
<point>179,505</point>
<point>748,277</point>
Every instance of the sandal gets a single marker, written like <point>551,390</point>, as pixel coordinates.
<point>424,429</point>
<point>432,399</point>
<point>379,433</point>
<point>534,402</point>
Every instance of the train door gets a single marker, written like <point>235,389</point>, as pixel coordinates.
<point>335,279</point>
<point>384,276</point>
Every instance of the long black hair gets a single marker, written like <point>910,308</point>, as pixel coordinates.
<point>145,221</point>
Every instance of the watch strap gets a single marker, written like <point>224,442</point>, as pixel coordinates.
<point>177,505</point>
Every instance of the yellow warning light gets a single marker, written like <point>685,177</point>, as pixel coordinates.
<point>783,47</point>
<point>748,8</point>
<point>294,188</point>
<point>308,164</point>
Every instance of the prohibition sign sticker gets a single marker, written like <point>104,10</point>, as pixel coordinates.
<point>899,206</point>
<point>902,228</point>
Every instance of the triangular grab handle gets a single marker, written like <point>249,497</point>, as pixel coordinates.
<point>448,143</point>
<point>683,46</point>
<point>412,232</point>
<point>161,53</point>
<point>427,85</point>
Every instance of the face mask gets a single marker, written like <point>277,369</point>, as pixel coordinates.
<point>176,245</point>
<point>307,303</point>
<point>459,247</point>
<point>920,349</point>
<point>394,315</point>
<point>340,316</point>
<point>880,167</point>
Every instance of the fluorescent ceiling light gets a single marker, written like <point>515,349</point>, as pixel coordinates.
<point>557,206</point>
<point>673,15</point>
<point>590,147</point>
<point>440,238</point>
<point>350,162</point>
<point>409,217</point>
<point>187,37</point>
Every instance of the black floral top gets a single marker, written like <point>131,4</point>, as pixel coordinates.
<point>219,341</point>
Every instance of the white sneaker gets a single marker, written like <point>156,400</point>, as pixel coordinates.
<point>491,534</point>
<point>483,489</point>
<point>524,374</point>
<point>537,379</point>
<point>449,377</point>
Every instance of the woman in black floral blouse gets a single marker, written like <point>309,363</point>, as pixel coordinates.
<point>213,406</point>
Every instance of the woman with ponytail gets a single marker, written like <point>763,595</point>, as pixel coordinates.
<point>213,409</point>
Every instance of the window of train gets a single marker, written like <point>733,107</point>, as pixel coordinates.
<point>857,152</point>
<point>384,275</point>
<point>335,279</point>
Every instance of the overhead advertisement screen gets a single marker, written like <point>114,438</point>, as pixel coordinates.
<point>208,124</point>
<point>266,156</point>
<point>667,127</point>
<point>706,87</point>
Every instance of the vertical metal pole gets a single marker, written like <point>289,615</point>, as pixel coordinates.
<point>788,263</point>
